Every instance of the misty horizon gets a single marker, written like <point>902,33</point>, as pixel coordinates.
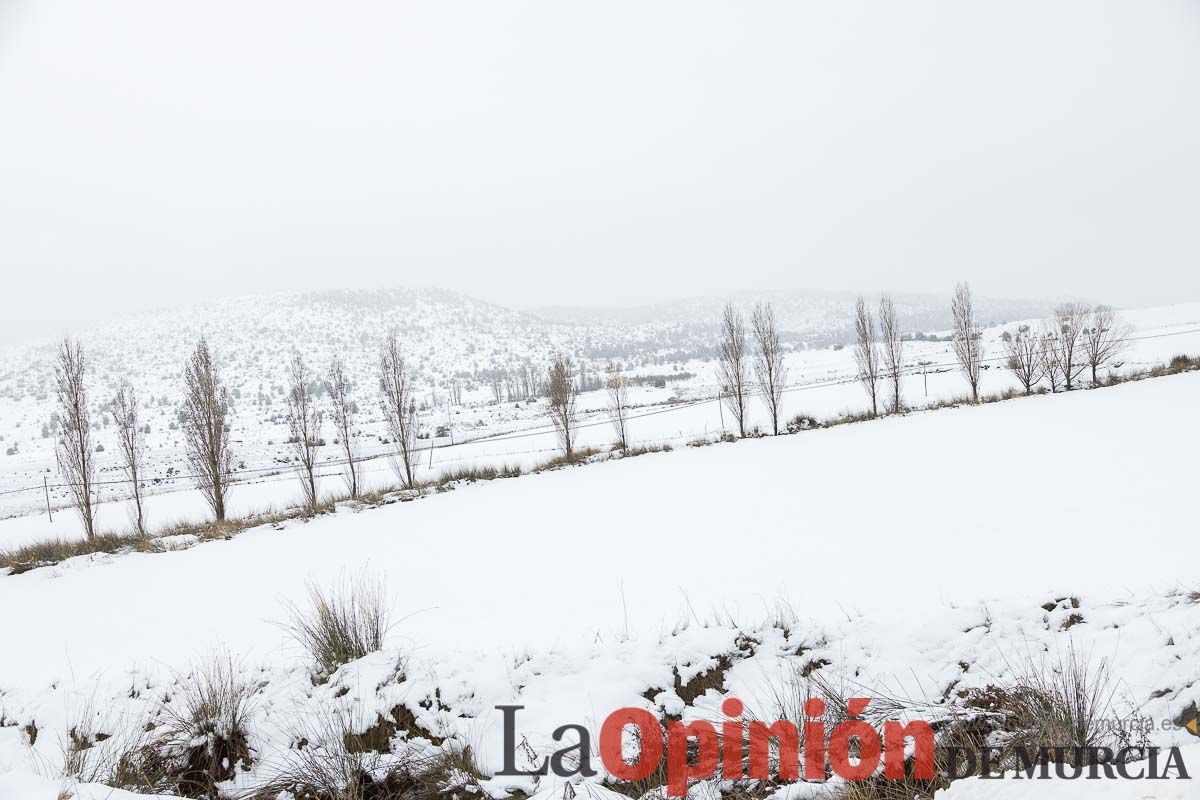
<point>535,155</point>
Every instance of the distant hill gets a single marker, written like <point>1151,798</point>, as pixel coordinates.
<point>448,337</point>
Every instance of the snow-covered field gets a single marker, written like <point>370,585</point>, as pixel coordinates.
<point>821,384</point>
<point>914,554</point>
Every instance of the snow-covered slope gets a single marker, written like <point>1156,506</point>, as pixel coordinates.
<point>906,549</point>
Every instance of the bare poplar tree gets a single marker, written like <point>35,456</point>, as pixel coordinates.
<point>206,428</point>
<point>1106,337</point>
<point>968,348</point>
<point>618,404</point>
<point>132,446</point>
<point>561,391</point>
<point>344,411</point>
<point>304,424</point>
<point>74,446</point>
<point>1070,322</point>
<point>399,406</point>
<point>893,348</point>
<point>769,371</point>
<point>732,367</point>
<point>1024,358</point>
<point>866,354</point>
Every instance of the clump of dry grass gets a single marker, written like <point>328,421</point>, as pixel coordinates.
<point>330,760</point>
<point>207,735</point>
<point>478,473</point>
<point>342,624</point>
<point>52,551</point>
<point>576,457</point>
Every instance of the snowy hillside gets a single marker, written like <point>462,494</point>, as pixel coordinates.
<point>674,399</point>
<point>986,536</point>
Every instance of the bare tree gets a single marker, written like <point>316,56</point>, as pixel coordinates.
<point>1106,337</point>
<point>562,394</point>
<point>866,354</point>
<point>344,411</point>
<point>399,406</point>
<point>206,428</point>
<point>732,367</point>
<point>1070,322</point>
<point>74,446</point>
<point>769,370</point>
<point>1051,368</point>
<point>618,404</point>
<point>967,337</point>
<point>304,424</point>
<point>893,348</point>
<point>1024,358</point>
<point>132,446</point>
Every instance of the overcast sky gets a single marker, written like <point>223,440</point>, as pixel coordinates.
<point>156,153</point>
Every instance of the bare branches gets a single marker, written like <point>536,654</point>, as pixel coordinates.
<point>618,404</point>
<point>1024,358</point>
<point>893,348</point>
<point>304,424</point>
<point>344,411</point>
<point>205,426</point>
<point>866,355</point>
<point>1051,366</point>
<point>74,446</point>
<point>399,406</point>
<point>769,371</point>
<point>732,369</point>
<point>132,445</point>
<point>1106,337</point>
<point>561,391</point>
<point>967,336</point>
<point>1070,321</point>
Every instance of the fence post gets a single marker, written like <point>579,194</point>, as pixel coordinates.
<point>46,488</point>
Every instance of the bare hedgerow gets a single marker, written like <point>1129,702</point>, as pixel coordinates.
<point>342,624</point>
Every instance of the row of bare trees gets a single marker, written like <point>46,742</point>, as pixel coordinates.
<point>1077,339</point>
<point>878,354</point>
<point>206,433</point>
<point>741,371</point>
<point>205,417</point>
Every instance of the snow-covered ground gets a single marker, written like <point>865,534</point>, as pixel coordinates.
<point>915,552</point>
<point>821,384</point>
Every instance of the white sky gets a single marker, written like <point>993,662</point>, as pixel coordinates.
<point>157,152</point>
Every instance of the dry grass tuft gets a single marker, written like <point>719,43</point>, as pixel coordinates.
<point>342,624</point>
